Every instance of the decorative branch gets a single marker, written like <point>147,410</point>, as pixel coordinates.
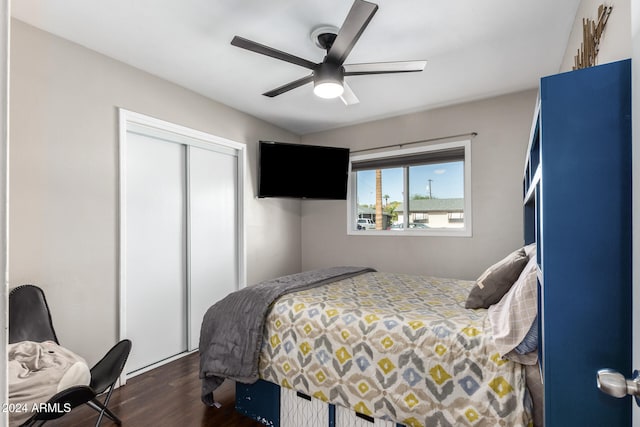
<point>591,34</point>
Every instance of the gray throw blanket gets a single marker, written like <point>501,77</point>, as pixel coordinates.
<point>231,332</point>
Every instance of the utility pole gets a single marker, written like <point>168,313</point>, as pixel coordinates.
<point>430,181</point>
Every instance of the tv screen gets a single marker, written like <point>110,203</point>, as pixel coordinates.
<point>302,171</point>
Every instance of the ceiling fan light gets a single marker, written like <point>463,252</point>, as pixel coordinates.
<point>327,80</point>
<point>328,89</point>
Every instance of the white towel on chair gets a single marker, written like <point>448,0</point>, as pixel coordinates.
<point>37,371</point>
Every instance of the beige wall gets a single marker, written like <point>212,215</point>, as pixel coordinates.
<point>498,152</point>
<point>64,179</point>
<point>616,41</point>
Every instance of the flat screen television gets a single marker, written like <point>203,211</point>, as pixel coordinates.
<point>302,171</point>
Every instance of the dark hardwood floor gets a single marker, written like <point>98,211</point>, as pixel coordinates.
<point>166,396</point>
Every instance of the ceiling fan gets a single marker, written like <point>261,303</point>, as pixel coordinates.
<point>328,76</point>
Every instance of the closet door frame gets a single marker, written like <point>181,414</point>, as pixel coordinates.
<point>131,121</point>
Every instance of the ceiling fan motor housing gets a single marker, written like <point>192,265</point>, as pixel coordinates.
<point>328,72</point>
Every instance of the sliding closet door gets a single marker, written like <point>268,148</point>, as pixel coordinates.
<point>181,234</point>
<point>155,263</point>
<point>213,241</point>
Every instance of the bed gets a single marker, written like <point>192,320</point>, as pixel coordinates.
<point>400,348</point>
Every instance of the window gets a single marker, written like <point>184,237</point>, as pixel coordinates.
<point>412,191</point>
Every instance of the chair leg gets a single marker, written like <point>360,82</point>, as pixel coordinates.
<point>102,408</point>
<point>33,423</point>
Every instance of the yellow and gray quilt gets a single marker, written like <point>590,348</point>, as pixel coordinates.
<point>397,347</point>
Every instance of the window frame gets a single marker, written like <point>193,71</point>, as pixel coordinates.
<point>352,208</point>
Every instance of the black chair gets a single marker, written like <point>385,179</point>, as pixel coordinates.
<point>30,320</point>
<point>29,316</point>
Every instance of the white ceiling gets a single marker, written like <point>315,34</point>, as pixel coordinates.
<point>474,48</point>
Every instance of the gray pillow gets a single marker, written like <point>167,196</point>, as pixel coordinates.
<point>496,281</point>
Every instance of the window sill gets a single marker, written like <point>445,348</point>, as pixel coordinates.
<point>413,233</point>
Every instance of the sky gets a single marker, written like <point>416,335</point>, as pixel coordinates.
<point>447,181</point>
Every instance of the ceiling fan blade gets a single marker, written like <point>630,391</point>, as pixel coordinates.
<point>384,68</point>
<point>348,97</point>
<point>285,88</point>
<point>357,20</point>
<point>269,51</point>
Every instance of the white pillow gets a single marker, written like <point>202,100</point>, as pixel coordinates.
<point>512,317</point>
<point>530,250</point>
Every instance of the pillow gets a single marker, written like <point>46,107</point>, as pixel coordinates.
<point>497,280</point>
<point>514,316</point>
<point>530,341</point>
<point>530,250</point>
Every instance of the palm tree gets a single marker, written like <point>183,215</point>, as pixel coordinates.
<point>378,199</point>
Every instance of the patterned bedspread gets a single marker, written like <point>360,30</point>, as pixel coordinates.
<point>397,347</point>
